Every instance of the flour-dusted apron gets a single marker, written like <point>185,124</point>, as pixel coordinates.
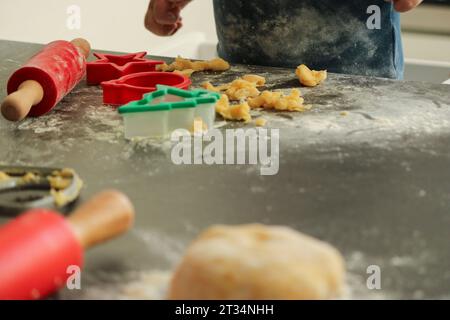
<point>323,34</point>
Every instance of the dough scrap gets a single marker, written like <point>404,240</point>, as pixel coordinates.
<point>4,176</point>
<point>208,86</point>
<point>182,64</point>
<point>257,262</point>
<point>199,126</point>
<point>239,112</point>
<point>239,89</point>
<point>260,81</point>
<point>59,198</point>
<point>187,72</point>
<point>218,64</point>
<point>60,180</point>
<point>30,177</point>
<point>163,67</point>
<point>260,122</point>
<point>276,100</point>
<point>310,78</point>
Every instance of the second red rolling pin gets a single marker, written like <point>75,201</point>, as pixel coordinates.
<point>45,79</point>
<point>37,248</point>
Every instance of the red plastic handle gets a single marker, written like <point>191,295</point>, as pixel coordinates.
<point>36,250</point>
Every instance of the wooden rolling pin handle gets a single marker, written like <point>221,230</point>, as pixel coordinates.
<point>83,45</point>
<point>106,216</point>
<point>18,104</point>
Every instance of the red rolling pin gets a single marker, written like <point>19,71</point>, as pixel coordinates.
<point>37,248</point>
<point>45,79</point>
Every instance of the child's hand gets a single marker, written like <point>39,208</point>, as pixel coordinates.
<point>405,5</point>
<point>163,16</point>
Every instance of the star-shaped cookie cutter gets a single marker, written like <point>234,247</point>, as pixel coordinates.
<point>167,109</point>
<point>113,66</point>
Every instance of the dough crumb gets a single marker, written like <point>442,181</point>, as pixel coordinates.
<point>260,122</point>
<point>260,81</point>
<point>218,64</point>
<point>59,198</point>
<point>60,180</point>
<point>208,86</point>
<point>310,78</point>
<point>188,72</point>
<point>59,183</point>
<point>67,173</point>
<point>30,177</point>
<point>163,67</point>
<point>182,64</point>
<point>258,262</point>
<point>276,100</point>
<point>239,112</point>
<point>4,176</point>
<point>240,89</point>
<point>199,126</point>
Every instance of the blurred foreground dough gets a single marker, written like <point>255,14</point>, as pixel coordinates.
<point>258,262</point>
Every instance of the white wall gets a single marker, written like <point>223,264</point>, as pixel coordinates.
<point>108,24</point>
<point>426,33</point>
<point>117,25</point>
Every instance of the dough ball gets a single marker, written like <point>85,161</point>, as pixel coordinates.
<point>258,262</point>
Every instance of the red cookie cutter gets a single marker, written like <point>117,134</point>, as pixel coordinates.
<point>133,87</point>
<point>110,66</point>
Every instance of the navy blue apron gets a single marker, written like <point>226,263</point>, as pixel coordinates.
<point>323,34</point>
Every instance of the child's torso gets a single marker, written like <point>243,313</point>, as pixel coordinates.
<point>325,34</point>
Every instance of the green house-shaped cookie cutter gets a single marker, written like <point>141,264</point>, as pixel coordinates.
<point>161,112</point>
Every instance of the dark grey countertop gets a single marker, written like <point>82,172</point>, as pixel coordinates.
<point>374,182</point>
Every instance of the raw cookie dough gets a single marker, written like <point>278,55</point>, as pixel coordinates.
<point>242,89</point>
<point>188,72</point>
<point>30,177</point>
<point>181,64</point>
<point>60,198</point>
<point>277,101</point>
<point>239,89</point>
<point>239,112</point>
<point>4,176</point>
<point>257,262</point>
<point>310,78</point>
<point>208,86</point>
<point>260,81</point>
<point>260,122</point>
<point>199,126</point>
<point>61,179</point>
